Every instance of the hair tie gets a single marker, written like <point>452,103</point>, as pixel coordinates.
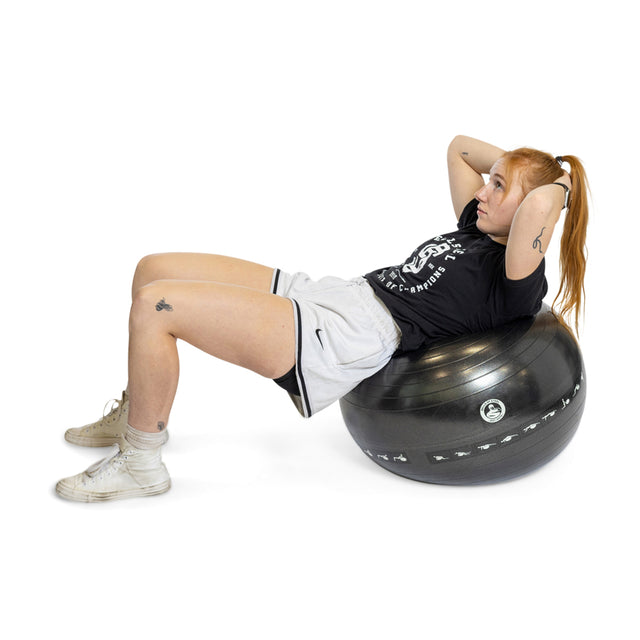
<point>559,160</point>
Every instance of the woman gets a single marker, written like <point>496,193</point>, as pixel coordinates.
<point>318,340</point>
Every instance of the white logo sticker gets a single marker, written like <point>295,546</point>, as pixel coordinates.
<point>492,410</point>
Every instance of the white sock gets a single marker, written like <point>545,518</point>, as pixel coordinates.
<point>144,439</point>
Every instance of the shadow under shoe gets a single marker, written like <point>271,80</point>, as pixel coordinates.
<point>125,473</point>
<point>109,430</point>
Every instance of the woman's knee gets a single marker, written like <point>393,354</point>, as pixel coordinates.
<point>148,301</point>
<point>147,271</point>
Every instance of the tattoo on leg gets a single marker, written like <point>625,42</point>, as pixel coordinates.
<point>160,426</point>
<point>536,243</point>
<point>163,305</point>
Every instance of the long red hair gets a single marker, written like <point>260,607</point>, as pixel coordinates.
<point>535,168</point>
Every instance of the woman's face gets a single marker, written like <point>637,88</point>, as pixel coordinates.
<point>496,208</point>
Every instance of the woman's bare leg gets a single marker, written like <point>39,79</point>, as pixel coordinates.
<point>201,266</point>
<point>237,320</point>
<point>244,326</point>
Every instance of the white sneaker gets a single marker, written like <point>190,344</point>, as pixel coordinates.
<point>125,473</point>
<point>110,429</point>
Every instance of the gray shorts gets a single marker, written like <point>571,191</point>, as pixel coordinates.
<point>344,334</point>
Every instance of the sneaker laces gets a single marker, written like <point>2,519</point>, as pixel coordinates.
<point>103,464</point>
<point>114,405</point>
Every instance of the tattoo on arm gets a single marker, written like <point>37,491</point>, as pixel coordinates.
<point>536,243</point>
<point>465,153</point>
<point>163,305</point>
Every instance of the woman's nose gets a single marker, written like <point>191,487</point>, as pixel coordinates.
<point>480,193</point>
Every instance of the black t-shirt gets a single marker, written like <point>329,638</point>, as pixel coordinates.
<point>455,284</point>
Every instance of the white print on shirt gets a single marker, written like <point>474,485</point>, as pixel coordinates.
<point>428,251</point>
<point>390,280</point>
<point>444,247</point>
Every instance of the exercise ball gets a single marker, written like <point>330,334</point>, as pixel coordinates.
<point>474,409</point>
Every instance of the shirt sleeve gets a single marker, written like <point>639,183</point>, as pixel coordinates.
<point>469,215</point>
<point>523,297</point>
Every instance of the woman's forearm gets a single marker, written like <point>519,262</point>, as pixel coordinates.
<point>479,155</point>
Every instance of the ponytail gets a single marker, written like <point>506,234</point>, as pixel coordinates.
<point>573,251</point>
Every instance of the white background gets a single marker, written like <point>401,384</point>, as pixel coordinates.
<point>310,136</point>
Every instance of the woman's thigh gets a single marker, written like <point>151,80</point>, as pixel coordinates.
<point>204,267</point>
<point>244,326</point>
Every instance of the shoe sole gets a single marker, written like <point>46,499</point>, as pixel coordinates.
<point>79,496</point>
<point>94,441</point>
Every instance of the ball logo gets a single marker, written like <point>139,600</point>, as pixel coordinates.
<point>492,410</point>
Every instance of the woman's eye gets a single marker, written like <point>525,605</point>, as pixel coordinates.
<point>498,184</point>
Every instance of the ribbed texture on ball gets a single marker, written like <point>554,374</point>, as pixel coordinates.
<point>474,409</point>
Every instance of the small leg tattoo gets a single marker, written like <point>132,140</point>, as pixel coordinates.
<point>163,305</point>
<point>536,243</point>
<point>160,426</point>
